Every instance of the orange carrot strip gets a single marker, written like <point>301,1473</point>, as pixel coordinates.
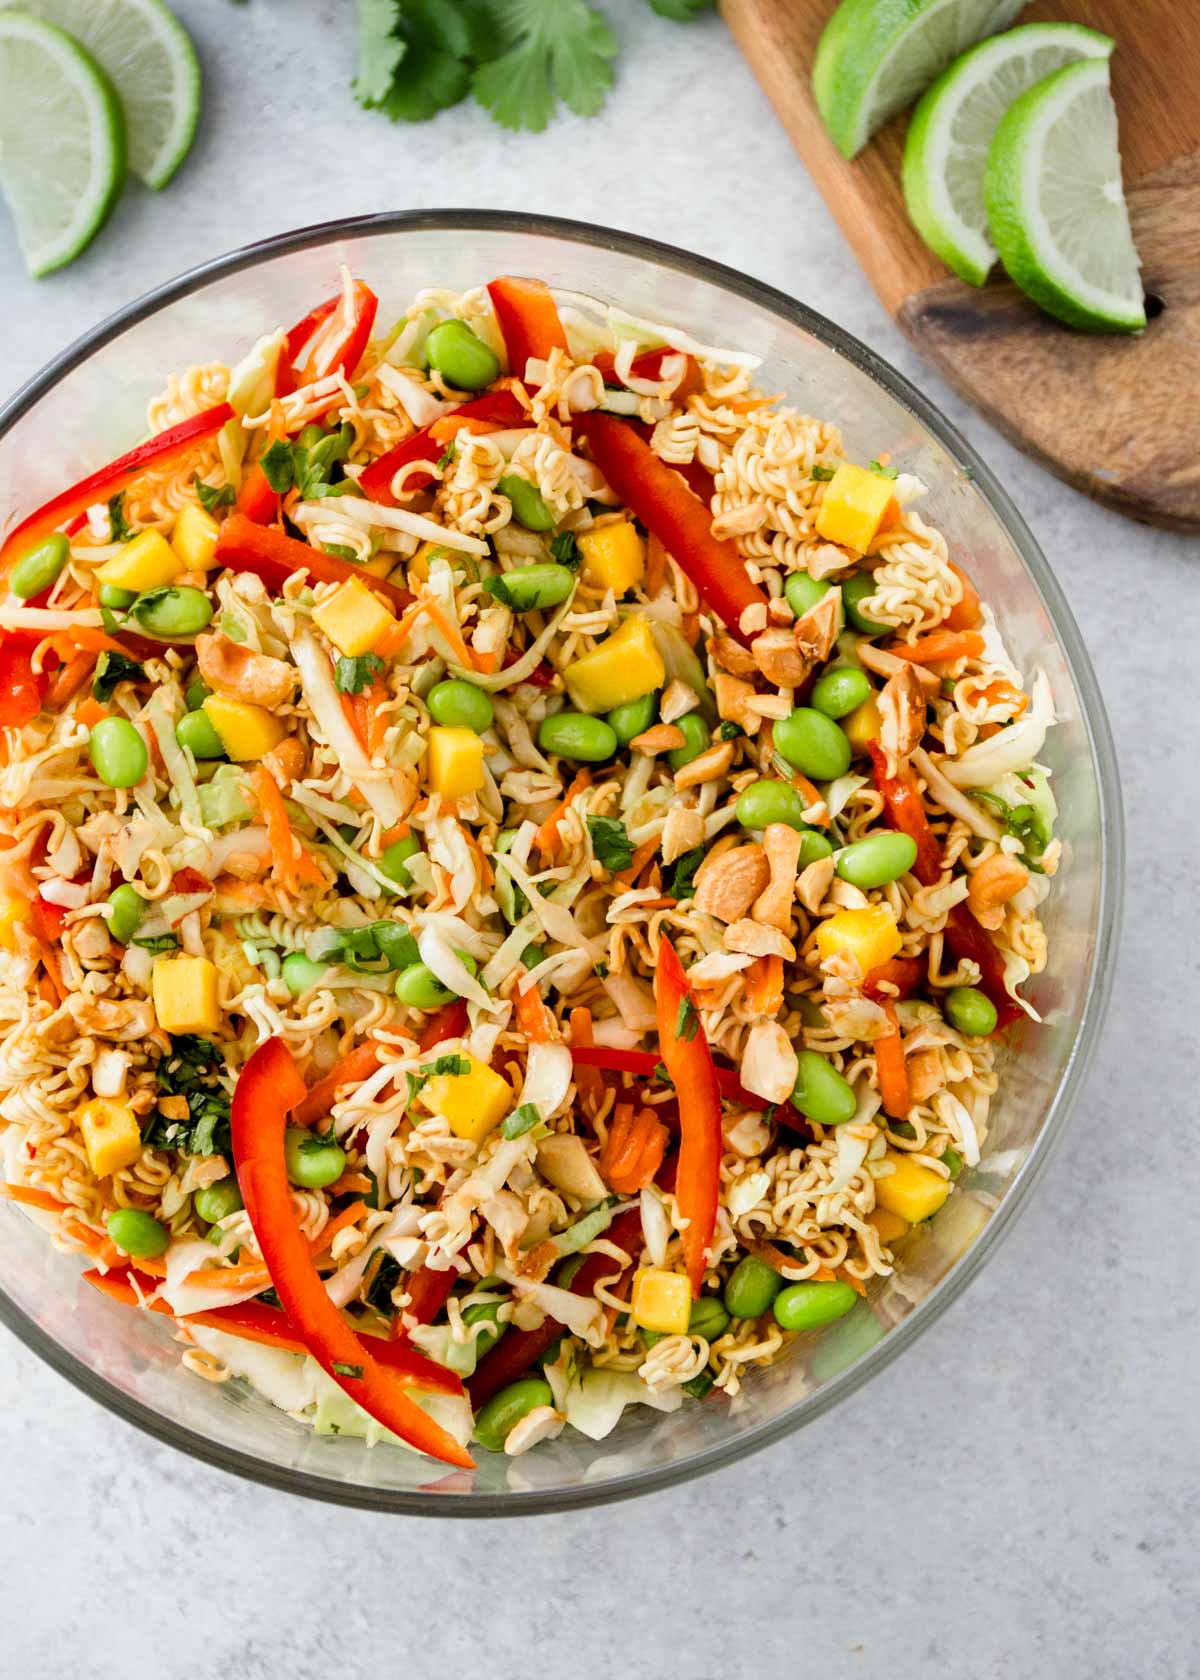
<point>940,647</point>
<point>764,985</point>
<point>964,614</point>
<point>68,678</point>
<point>359,1064</point>
<point>533,1018</point>
<point>89,712</point>
<point>640,1156</point>
<point>891,1067</point>
<point>29,1196</point>
<point>448,427</point>
<point>589,1081</point>
<point>618,1135</point>
<point>546,838</point>
<point>245,1277</point>
<point>292,864</point>
<point>647,850</point>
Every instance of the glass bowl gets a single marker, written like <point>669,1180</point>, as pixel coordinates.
<point>90,404</point>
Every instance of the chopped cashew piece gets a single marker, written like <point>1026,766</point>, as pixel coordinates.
<point>902,712</point>
<point>753,618</point>
<point>925,1073</point>
<point>779,659</point>
<point>734,698</point>
<point>997,879</point>
<point>682,832</point>
<point>238,673</point>
<point>885,664</point>
<point>732,655</point>
<point>717,967</point>
<point>678,699</point>
<point>773,905</point>
<point>660,738</point>
<point>710,766</point>
<point>739,521</point>
<point>728,884</point>
<point>543,1423</point>
<point>813,884</point>
<point>816,633</point>
<point>758,941</point>
<point>769,1063</point>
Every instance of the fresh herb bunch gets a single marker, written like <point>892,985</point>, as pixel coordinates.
<point>517,57</point>
<point>192,1070</point>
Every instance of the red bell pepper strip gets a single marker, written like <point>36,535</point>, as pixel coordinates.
<point>642,1063</point>
<point>254,1321</point>
<point>966,940</point>
<point>902,798</point>
<point>243,546</point>
<point>352,1069</point>
<point>21,688</point>
<point>334,341</point>
<point>904,973</point>
<point>517,1350</point>
<point>501,407</point>
<point>527,316</point>
<point>688,1059</point>
<point>675,514</point>
<point>48,919</point>
<point>268,1088</point>
<point>451,1021</point>
<point>428,1292</point>
<point>106,481</point>
<point>256,500</point>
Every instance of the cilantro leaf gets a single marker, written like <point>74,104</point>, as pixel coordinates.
<point>157,942</point>
<point>562,49</point>
<point>610,842</point>
<point>822,473</point>
<point>729,731</point>
<point>121,529</point>
<point>426,82</point>
<point>387,1276</point>
<point>680,11</point>
<point>351,676</point>
<point>881,471</point>
<point>192,1071</point>
<point>683,881</point>
<point>212,500</point>
<point>341,1369</point>
<point>565,550</point>
<point>111,669</point>
<point>279,466</point>
<point>380,49</point>
<point>687,1022</point>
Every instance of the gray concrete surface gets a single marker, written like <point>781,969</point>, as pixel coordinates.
<point>1017,1497</point>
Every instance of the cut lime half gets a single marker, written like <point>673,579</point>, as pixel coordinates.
<point>147,55</point>
<point>876,56</point>
<point>62,140</point>
<point>950,136</point>
<point>1055,204</point>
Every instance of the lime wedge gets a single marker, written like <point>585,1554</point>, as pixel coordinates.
<point>946,151</point>
<point>147,55</point>
<point>62,141</point>
<point>876,56</point>
<point>1055,204</point>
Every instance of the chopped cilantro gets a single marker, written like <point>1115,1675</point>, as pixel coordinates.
<point>687,1022</point>
<point>351,676</point>
<point>120,527</point>
<point>881,471</point>
<point>520,1121</point>
<point>448,457</point>
<point>192,1070</point>
<point>341,1369</point>
<point>729,731</point>
<point>279,466</point>
<point>822,473</point>
<point>566,551</point>
<point>683,881</point>
<point>111,669</point>
<point>212,499</point>
<point>158,943</point>
<point>680,11</point>
<point>387,1276</point>
<point>610,842</point>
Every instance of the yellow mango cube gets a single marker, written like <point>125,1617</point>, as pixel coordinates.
<point>146,562</point>
<point>853,507</point>
<point>418,566</point>
<point>185,995</point>
<point>247,732</point>
<point>621,669</point>
<point>614,555</point>
<point>869,935</point>
<point>194,538</point>
<point>472,1103</point>
<point>889,1227</point>
<point>661,1301</point>
<point>455,762</point>
<point>13,911</point>
<point>912,1191</point>
<point>863,725</point>
<point>353,618</point>
<point>111,1135</point>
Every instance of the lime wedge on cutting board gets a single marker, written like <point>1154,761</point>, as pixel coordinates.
<point>62,140</point>
<point>877,56</point>
<point>147,55</point>
<point>950,136</point>
<point>1055,204</point>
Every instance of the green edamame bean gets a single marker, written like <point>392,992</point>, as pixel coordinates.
<point>137,1233</point>
<point>528,506</point>
<point>217,1201</point>
<point>709,1318</point>
<point>395,859</point>
<point>820,1091</point>
<point>633,718</point>
<point>804,1306</point>
<point>855,590</point>
<point>802,592</point>
<point>696,739</point>
<point>301,973</point>
<point>128,908</point>
<point>813,845</point>
<point>877,859</point>
<point>420,988</point>
<point>970,1011</point>
<point>751,1287</point>
<point>111,595</point>
<point>196,693</point>
<point>813,743</point>
<point>530,588</point>
<point>177,610</point>
<point>195,732</point>
<point>485,1312</point>
<point>952,1161</point>
<point>499,1416</point>
<point>460,705</point>
<point>118,753</point>
<point>461,356</point>
<point>770,802</point>
<point>312,1161</point>
<point>40,566</point>
<point>840,690</point>
<point>575,735</point>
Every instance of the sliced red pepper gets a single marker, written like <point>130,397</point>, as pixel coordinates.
<point>21,688</point>
<point>688,1060</point>
<point>254,1321</point>
<point>501,407</point>
<point>517,1350</point>
<point>528,318</point>
<point>642,1064</point>
<point>243,546</point>
<point>106,481</point>
<point>904,973</point>
<point>267,1089</point>
<point>256,500</point>
<point>451,1021</point>
<point>902,798</point>
<point>352,1069</point>
<point>48,919</point>
<point>967,941</point>
<point>428,1292</point>
<point>675,514</point>
<point>335,343</point>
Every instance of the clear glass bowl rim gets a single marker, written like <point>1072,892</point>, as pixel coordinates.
<point>642,249</point>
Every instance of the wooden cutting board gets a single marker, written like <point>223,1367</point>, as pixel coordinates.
<point>1118,417</point>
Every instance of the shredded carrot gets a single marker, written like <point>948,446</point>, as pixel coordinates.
<point>890,1067</point>
<point>1001,693</point>
<point>856,1283</point>
<point>53,972</point>
<point>964,614</point>
<point>395,636</point>
<point>764,985</point>
<point>634,1164</point>
<point>29,1196</point>
<point>453,635</point>
<point>589,1081</point>
<point>448,427</point>
<point>940,647</point>
<point>647,850</point>
<point>533,1018</point>
<point>401,831</point>
<point>292,864</point>
<point>68,678</point>
<point>89,712</point>
<point>246,1277</point>
<point>359,1064</point>
<point>546,838</point>
<point>620,1127</point>
<point>83,639</point>
<point>656,565</point>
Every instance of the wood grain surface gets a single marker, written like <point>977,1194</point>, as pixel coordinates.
<point>1116,416</point>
